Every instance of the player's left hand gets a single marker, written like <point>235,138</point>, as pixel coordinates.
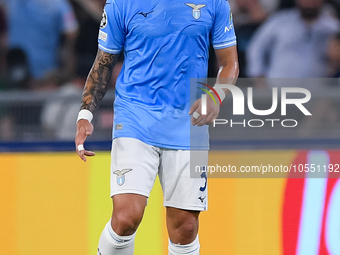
<point>212,112</point>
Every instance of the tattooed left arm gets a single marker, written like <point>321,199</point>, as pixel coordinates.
<point>95,89</point>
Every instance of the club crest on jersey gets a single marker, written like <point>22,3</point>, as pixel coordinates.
<point>196,12</point>
<point>121,175</point>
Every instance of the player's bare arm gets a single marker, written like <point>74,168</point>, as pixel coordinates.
<point>228,73</point>
<point>96,86</point>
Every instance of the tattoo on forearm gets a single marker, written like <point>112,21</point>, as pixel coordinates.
<point>98,80</point>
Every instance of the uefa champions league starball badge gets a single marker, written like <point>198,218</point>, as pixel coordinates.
<point>103,22</point>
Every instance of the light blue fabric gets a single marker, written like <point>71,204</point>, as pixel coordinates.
<point>166,43</point>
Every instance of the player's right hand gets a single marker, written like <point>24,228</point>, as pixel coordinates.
<point>84,129</point>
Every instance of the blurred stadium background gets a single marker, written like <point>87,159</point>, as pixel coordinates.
<point>52,203</point>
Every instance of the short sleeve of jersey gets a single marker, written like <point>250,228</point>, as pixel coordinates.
<point>223,33</point>
<point>111,36</point>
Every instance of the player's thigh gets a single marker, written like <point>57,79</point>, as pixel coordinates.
<point>129,204</point>
<point>134,167</point>
<point>180,188</point>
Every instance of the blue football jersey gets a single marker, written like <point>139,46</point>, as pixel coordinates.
<point>166,43</point>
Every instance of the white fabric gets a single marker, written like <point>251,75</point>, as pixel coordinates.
<point>112,244</point>
<point>80,147</point>
<point>135,165</point>
<point>220,91</point>
<point>191,248</point>
<point>196,115</point>
<point>85,114</point>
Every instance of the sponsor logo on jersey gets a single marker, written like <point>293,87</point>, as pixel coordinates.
<point>121,175</point>
<point>145,14</point>
<point>102,36</point>
<point>196,12</point>
<point>201,199</point>
<point>228,28</point>
<point>103,22</point>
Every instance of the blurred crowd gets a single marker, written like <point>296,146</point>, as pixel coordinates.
<point>45,43</point>
<point>47,46</point>
<point>50,44</point>
<point>287,38</point>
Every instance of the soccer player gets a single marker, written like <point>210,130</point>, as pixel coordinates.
<point>165,44</point>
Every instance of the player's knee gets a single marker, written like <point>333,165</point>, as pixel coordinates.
<point>185,228</point>
<point>125,223</point>
<point>187,231</point>
<point>127,213</point>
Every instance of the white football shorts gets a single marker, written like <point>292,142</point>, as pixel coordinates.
<point>135,165</point>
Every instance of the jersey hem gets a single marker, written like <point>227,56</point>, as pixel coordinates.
<point>108,50</point>
<point>130,191</point>
<point>167,146</point>
<point>224,45</point>
<point>189,207</point>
